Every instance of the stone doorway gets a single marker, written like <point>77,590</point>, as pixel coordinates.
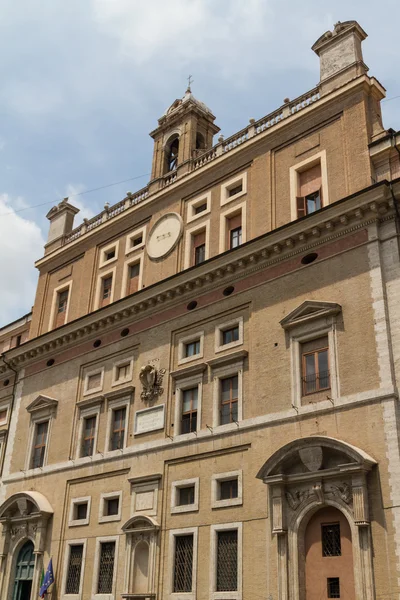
<point>24,570</point>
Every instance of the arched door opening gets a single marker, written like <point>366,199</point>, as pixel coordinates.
<point>24,569</point>
<point>328,556</point>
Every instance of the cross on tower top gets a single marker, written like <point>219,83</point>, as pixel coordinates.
<point>190,81</point>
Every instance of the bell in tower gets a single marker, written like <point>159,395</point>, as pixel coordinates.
<point>184,132</point>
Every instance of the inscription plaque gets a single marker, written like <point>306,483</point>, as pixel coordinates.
<point>149,419</point>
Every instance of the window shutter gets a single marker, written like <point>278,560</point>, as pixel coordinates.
<point>310,180</point>
<point>301,207</point>
<point>199,239</point>
<point>235,221</point>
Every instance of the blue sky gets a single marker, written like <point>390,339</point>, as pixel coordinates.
<point>83,83</point>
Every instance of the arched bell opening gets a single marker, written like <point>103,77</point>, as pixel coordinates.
<point>172,154</point>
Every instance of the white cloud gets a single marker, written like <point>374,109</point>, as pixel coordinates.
<point>21,241</point>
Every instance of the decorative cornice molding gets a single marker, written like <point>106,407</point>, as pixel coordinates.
<point>335,221</point>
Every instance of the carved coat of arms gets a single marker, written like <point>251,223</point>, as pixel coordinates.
<point>151,380</point>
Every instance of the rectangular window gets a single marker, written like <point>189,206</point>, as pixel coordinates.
<point>16,341</point>
<point>118,429</point>
<point>235,190</point>
<point>331,545</point>
<point>106,568</point>
<point>228,489</point>
<point>39,444</point>
<point>192,348</point>
<point>234,231</point>
<point>3,416</point>
<point>137,240</point>
<point>230,335</point>
<point>333,585</point>
<point>227,561</point>
<point>199,248</point>
<point>123,371</point>
<point>80,511</point>
<point>189,410</point>
<point>73,581</point>
<point>315,366</point>
<point>111,507</point>
<point>229,400</point>
<point>200,208</point>
<point>133,279</point>
<point>186,495</point>
<point>106,289</point>
<point>310,191</point>
<point>183,567</point>
<point>88,436</point>
<point>109,255</point>
<point>93,381</point>
<point>61,308</point>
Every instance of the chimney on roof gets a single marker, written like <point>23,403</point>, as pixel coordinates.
<point>340,55</point>
<point>61,219</point>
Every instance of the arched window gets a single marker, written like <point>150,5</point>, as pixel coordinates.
<point>172,154</point>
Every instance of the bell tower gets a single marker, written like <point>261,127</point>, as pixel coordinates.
<point>184,131</point>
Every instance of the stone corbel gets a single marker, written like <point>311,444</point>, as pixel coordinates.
<point>360,499</point>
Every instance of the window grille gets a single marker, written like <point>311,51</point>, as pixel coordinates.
<point>183,563</point>
<point>331,545</point>
<point>227,568</point>
<point>118,429</point>
<point>106,568</point>
<point>333,587</point>
<point>74,569</point>
<point>229,400</point>
<point>89,432</point>
<point>39,447</point>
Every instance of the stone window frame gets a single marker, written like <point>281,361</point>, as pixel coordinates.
<point>145,484</point>
<point>85,412</point>
<point>86,391</point>
<point>5,404</point>
<point>133,260</point>
<point>104,496</point>
<point>120,363</point>
<point>230,367</point>
<point>173,534</point>
<point>43,415</point>
<point>101,276</point>
<point>176,486</point>
<point>133,235</point>
<point>68,544</point>
<point>187,339</point>
<point>216,478</point>
<point>197,228</point>
<point>223,224</point>
<point>214,530</point>
<point>232,183</point>
<point>295,170</point>
<point>305,329</point>
<point>185,381</point>
<point>194,203</point>
<point>74,501</point>
<point>123,401</point>
<point>103,262</point>
<point>99,541</point>
<point>67,285</point>
<point>221,327</point>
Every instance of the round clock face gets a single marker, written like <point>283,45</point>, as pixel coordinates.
<point>164,236</point>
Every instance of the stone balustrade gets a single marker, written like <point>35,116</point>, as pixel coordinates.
<point>223,147</point>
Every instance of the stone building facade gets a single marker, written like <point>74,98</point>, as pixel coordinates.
<point>207,404</point>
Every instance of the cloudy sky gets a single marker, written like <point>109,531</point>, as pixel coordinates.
<point>84,81</point>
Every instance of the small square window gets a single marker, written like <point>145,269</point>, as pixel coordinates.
<point>230,335</point>
<point>235,190</point>
<point>137,240</point>
<point>111,507</point>
<point>81,510</point>
<point>110,254</point>
<point>93,381</point>
<point>192,348</point>
<point>185,495</point>
<point>200,208</point>
<point>228,489</point>
<point>333,585</point>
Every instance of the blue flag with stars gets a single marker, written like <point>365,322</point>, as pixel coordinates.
<point>48,579</point>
